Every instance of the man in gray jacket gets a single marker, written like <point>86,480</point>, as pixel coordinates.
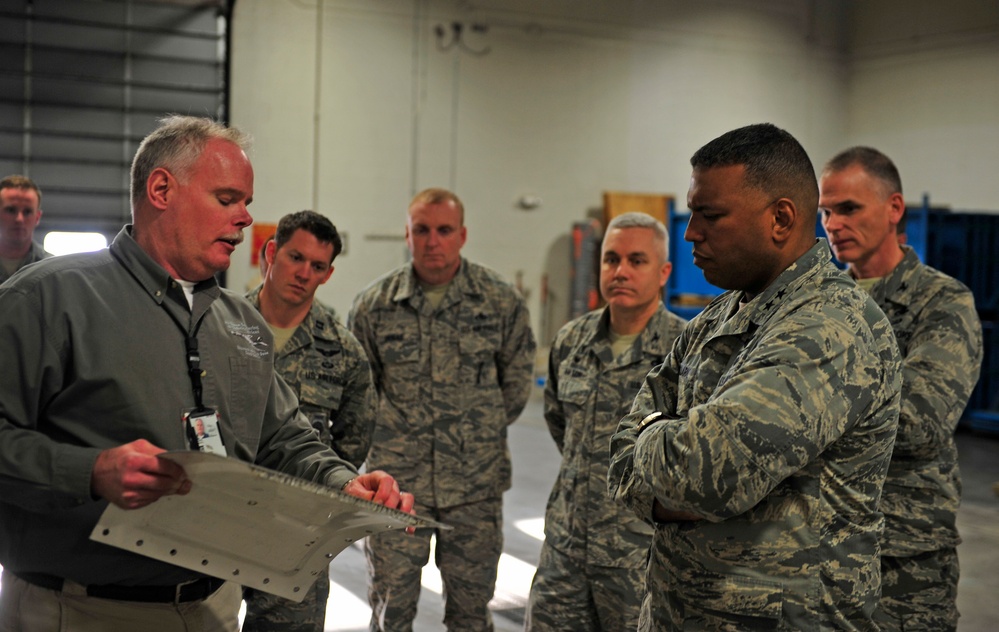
<point>115,356</point>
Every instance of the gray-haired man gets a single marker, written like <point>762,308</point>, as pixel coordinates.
<point>940,338</point>
<point>591,573</point>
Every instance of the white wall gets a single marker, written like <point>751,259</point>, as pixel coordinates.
<point>924,88</point>
<point>573,98</point>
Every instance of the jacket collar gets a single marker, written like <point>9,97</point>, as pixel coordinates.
<point>462,284</point>
<point>766,304</point>
<point>897,285</point>
<point>153,278</point>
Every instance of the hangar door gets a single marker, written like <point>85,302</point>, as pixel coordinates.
<point>83,81</point>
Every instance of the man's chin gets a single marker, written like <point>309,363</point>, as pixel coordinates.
<point>843,255</point>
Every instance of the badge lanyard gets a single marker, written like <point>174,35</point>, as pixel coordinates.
<point>203,427</point>
<point>194,368</point>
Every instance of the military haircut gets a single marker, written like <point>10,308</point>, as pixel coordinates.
<point>175,145</point>
<point>775,163</point>
<point>436,195</point>
<point>318,225</point>
<point>642,220</point>
<point>876,164</point>
<point>24,183</point>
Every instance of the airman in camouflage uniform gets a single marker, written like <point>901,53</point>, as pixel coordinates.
<point>329,371</point>
<point>940,338</point>
<point>452,356</point>
<point>759,448</point>
<point>591,573</point>
<point>20,211</point>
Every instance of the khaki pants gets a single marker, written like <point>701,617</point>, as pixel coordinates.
<point>25,607</point>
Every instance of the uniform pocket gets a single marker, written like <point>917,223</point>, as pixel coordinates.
<point>317,408</point>
<point>400,359</point>
<point>478,359</point>
<point>573,389</point>
<point>736,603</point>
<point>398,348</point>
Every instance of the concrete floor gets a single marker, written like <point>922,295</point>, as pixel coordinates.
<point>535,462</point>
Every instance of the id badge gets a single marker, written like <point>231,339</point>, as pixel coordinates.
<point>203,431</point>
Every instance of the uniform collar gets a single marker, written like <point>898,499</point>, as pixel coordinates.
<point>460,285</point>
<point>770,301</point>
<point>654,339</point>
<point>896,286</point>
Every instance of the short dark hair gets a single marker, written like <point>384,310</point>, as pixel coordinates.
<point>775,162</point>
<point>875,163</point>
<point>319,225</point>
<point>17,181</point>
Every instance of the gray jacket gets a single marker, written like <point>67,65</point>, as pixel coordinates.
<point>94,357</point>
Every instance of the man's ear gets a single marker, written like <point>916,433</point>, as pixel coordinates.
<point>785,216</point>
<point>896,208</point>
<point>664,271</point>
<point>270,251</point>
<point>159,186</point>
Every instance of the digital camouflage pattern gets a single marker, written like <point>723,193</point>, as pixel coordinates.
<point>467,557</point>
<point>450,380</point>
<point>36,253</point>
<point>597,599</point>
<point>919,592</point>
<point>940,338</point>
<point>776,426</point>
<point>587,393</point>
<point>328,369</point>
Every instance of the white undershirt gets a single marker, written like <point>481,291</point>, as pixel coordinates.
<point>188,287</point>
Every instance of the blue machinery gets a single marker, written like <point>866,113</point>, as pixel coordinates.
<point>963,244</point>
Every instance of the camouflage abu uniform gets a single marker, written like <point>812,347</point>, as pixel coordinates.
<point>328,369</point>
<point>777,424</point>
<point>449,381</point>
<point>595,550</point>
<point>36,253</point>
<point>940,339</point>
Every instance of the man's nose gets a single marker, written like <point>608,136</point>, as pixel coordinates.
<point>691,233</point>
<point>243,217</point>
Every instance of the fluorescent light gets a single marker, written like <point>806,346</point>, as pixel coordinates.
<point>63,243</point>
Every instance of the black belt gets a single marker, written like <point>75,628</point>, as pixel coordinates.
<point>181,593</point>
